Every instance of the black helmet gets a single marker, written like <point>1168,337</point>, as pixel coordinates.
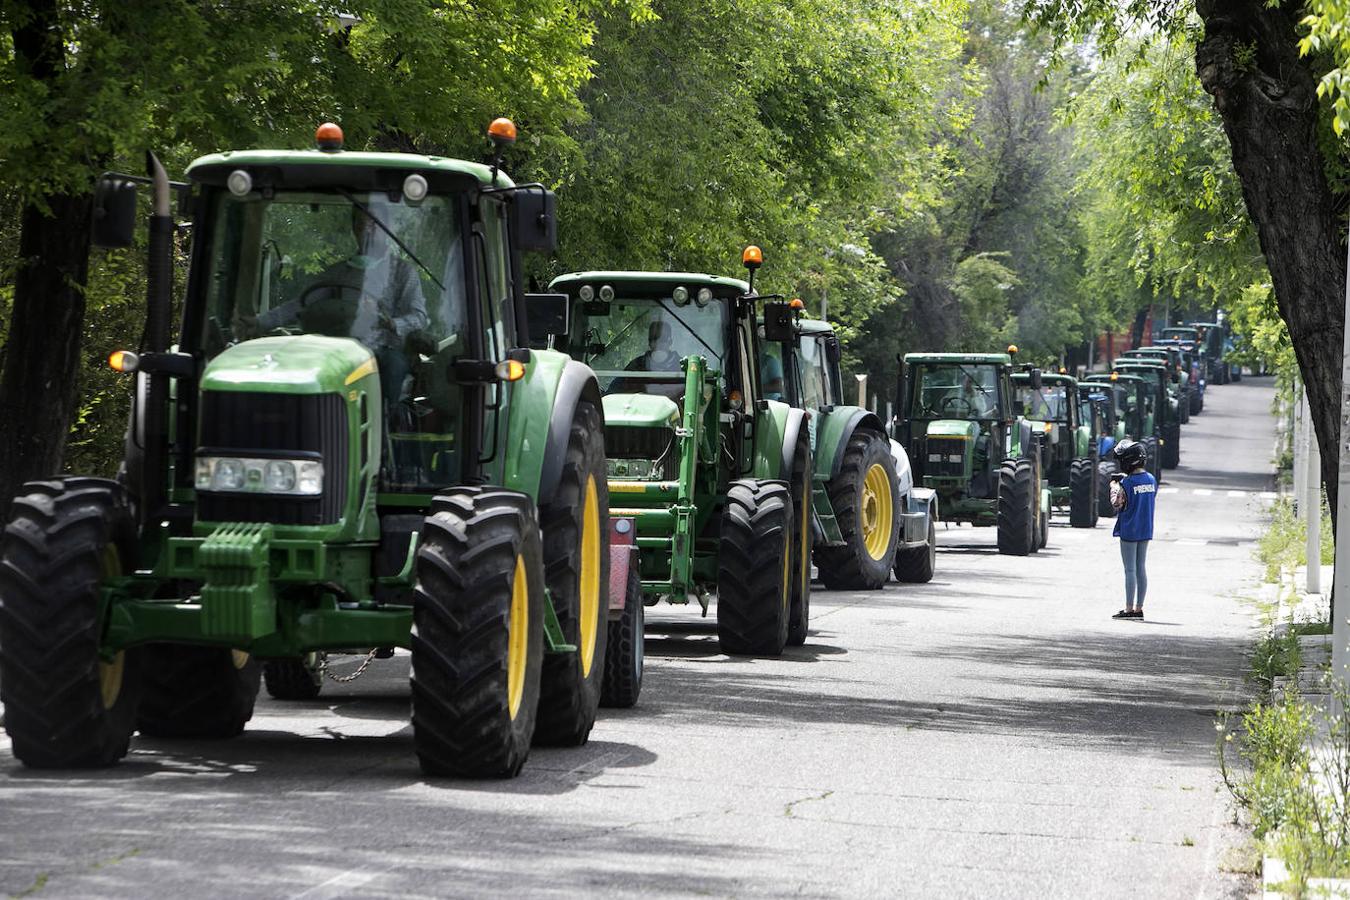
<point>1130,454</point>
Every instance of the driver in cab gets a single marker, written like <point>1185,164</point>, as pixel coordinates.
<point>660,357</point>
<point>975,398</point>
<point>386,295</point>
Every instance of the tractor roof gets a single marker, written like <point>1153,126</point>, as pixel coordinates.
<point>983,359</point>
<point>1106,378</point>
<point>233,159</point>
<point>1046,378</point>
<point>662,279</point>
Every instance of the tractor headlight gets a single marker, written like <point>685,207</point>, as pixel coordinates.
<point>226,474</point>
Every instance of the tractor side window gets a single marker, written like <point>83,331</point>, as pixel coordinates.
<point>772,371</point>
<point>815,374</point>
<point>496,281</point>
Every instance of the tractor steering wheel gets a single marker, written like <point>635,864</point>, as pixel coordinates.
<point>323,310</point>
<point>948,401</point>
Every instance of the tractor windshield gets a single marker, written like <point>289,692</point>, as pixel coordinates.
<point>955,391</point>
<point>1048,404</point>
<point>652,335</point>
<point>342,264</point>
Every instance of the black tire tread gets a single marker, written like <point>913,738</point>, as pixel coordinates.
<point>756,530</point>
<point>622,682</point>
<point>916,565</point>
<point>291,679</point>
<point>1082,493</point>
<point>195,692</point>
<point>1016,508</point>
<point>51,569</point>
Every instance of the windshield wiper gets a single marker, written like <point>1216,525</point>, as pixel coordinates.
<point>661,303</point>
<point>385,228</point>
<point>610,343</point>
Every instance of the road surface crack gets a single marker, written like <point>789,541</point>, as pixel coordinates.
<point>789,811</point>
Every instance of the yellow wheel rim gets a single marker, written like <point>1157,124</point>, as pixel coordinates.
<point>110,678</point>
<point>876,513</point>
<point>787,570</point>
<point>589,605</point>
<point>239,658</point>
<point>110,673</point>
<point>517,640</point>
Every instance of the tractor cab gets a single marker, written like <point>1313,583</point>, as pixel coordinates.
<point>1166,419</point>
<point>1071,425</point>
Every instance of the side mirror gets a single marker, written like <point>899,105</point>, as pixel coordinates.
<point>534,220</point>
<point>1019,408</point>
<point>114,223</point>
<point>779,323</point>
<point>1035,378</point>
<point>548,316</point>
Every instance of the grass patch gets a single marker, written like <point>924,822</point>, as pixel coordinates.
<point>1284,545</point>
<point>1310,629</point>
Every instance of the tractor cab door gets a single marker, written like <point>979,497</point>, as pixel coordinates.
<point>819,373</point>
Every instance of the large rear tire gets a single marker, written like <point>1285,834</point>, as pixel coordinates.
<point>478,634</point>
<point>66,706</point>
<point>754,569</point>
<point>1152,456</point>
<point>799,613</point>
<point>576,566</point>
<point>196,692</point>
<point>1105,469</point>
<point>1082,493</point>
<point>915,565</point>
<point>863,495</point>
<point>294,679</point>
<point>1017,525</point>
<point>624,652</point>
<point>1170,450</point>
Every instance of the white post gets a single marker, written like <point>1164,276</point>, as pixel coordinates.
<point>1297,444</point>
<point>1340,597</point>
<point>862,390</point>
<point>1312,501</point>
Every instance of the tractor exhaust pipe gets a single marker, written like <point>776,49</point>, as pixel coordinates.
<point>159,277</point>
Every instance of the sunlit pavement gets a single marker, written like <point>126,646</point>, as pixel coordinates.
<point>993,733</point>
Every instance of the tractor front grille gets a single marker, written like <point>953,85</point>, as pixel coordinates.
<point>944,457</point>
<point>243,422</point>
<point>656,446</point>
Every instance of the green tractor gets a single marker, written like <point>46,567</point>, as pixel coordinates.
<point>1178,386</point>
<point>716,477</point>
<point>1070,433</point>
<point>349,447</point>
<point>1166,418</point>
<point>869,517</point>
<point>1129,404</point>
<point>986,463</point>
<point>1212,339</point>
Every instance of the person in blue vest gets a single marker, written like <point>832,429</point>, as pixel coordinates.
<point>1133,494</point>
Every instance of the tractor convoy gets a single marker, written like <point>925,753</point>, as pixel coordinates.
<point>363,436</point>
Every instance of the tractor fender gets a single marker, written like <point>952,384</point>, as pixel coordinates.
<point>793,428</point>
<point>858,418</point>
<point>904,472</point>
<point>575,384</point>
<point>772,458</point>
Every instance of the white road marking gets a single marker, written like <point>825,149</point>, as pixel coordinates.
<point>1168,490</point>
<point>1268,495</point>
<point>338,885</point>
<point>1192,542</point>
<point>1202,492</point>
<point>1238,493</point>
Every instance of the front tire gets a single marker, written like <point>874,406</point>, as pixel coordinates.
<point>915,565</point>
<point>863,495</point>
<point>66,705</point>
<point>197,692</point>
<point>1082,494</point>
<point>1151,456</point>
<point>624,652</point>
<point>1017,523</point>
<point>754,569</point>
<point>576,563</point>
<point>294,679</point>
<point>478,634</point>
<point>1105,469</point>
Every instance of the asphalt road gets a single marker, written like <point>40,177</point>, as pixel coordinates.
<point>993,733</point>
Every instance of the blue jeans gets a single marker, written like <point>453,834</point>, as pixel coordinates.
<point>1133,554</point>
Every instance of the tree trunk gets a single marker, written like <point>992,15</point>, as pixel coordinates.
<point>1266,96</point>
<point>38,397</point>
